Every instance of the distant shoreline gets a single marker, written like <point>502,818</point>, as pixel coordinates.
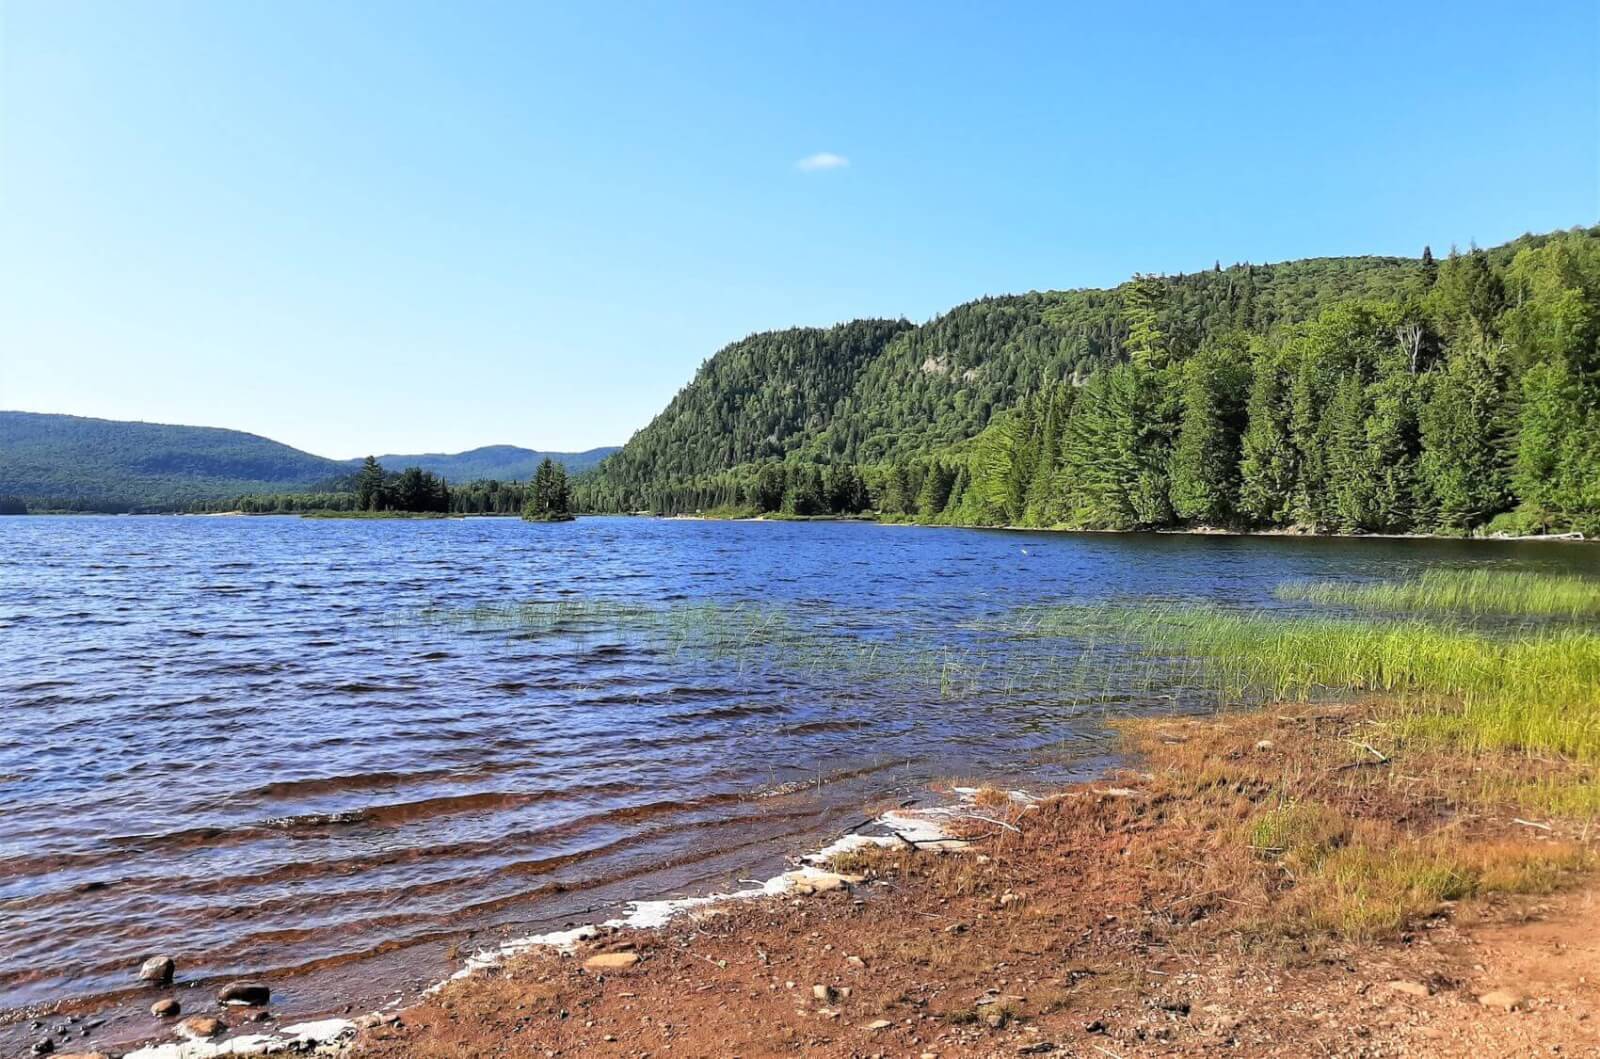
<point>1193,531</point>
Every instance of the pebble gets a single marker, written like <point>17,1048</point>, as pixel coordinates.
<point>1416,989</point>
<point>879,1024</point>
<point>856,962</point>
<point>1264,744</point>
<point>1504,999</point>
<point>253,994</point>
<point>823,993</point>
<point>158,970</point>
<point>165,1008</point>
<point>43,1046</point>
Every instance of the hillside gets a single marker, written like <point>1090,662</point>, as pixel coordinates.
<point>760,398</point>
<point>1359,394</point>
<point>871,391</point>
<point>500,462</point>
<point>67,461</point>
<point>62,462</point>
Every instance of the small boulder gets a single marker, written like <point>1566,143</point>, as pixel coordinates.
<point>158,970</point>
<point>1504,999</point>
<point>857,962</point>
<point>201,1027</point>
<point>43,1046</point>
<point>165,1008</point>
<point>824,993</point>
<point>250,994</point>
<point>611,961</point>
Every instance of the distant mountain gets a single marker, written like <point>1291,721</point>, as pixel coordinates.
<point>77,463</point>
<point>505,462</point>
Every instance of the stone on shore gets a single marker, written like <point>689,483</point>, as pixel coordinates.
<point>158,970</point>
<point>252,994</point>
<point>201,1027</point>
<point>611,961</point>
<point>165,1008</point>
<point>1504,999</point>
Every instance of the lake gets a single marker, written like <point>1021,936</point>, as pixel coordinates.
<point>332,754</point>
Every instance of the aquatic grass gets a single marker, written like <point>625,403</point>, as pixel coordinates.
<point>1532,690</point>
<point>1477,591</point>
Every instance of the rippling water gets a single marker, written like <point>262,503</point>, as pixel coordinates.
<point>294,749</point>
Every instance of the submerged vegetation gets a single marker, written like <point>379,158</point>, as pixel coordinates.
<point>1464,591</point>
<point>1478,687</point>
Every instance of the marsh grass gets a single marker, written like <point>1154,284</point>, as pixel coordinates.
<point>1462,591</point>
<point>1536,690</point>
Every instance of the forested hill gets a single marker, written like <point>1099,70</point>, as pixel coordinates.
<point>761,398</point>
<point>62,462</point>
<point>1365,394</point>
<point>501,462</point>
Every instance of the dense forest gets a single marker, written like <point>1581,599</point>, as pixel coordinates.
<point>1338,395</point>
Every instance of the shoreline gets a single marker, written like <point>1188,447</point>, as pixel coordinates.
<point>1139,914</point>
<point>922,828</point>
<point>1154,879</point>
<point>1175,531</point>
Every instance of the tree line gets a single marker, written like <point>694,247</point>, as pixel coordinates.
<point>547,496</point>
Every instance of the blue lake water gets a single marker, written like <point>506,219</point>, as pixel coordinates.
<point>327,752</point>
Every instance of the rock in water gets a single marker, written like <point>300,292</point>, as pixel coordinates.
<point>158,970</point>
<point>165,1008</point>
<point>253,994</point>
<point>43,1046</point>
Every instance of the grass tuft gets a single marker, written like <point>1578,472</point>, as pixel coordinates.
<point>1462,591</point>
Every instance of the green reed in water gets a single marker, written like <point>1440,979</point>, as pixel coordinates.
<point>1534,690</point>
<point>1463,591</point>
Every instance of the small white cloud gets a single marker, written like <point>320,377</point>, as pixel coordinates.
<point>811,163</point>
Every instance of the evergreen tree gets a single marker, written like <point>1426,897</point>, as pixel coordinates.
<point>369,485</point>
<point>1463,472</point>
<point>1205,462</point>
<point>1269,468</point>
<point>549,494</point>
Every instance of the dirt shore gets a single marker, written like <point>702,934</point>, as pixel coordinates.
<point>1393,908</point>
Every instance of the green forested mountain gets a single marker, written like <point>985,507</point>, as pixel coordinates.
<point>761,398</point>
<point>500,462</point>
<point>66,462</point>
<point>1334,394</point>
<point>60,461</point>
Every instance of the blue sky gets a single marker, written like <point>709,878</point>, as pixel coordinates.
<point>384,226</point>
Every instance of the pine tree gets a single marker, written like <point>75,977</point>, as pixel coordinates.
<point>1268,470</point>
<point>369,485</point>
<point>1463,472</point>
<point>1205,462</point>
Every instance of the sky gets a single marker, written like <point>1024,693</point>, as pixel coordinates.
<point>395,227</point>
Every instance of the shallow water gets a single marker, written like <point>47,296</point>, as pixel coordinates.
<point>298,750</point>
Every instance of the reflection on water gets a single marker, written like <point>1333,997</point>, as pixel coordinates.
<point>286,748</point>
